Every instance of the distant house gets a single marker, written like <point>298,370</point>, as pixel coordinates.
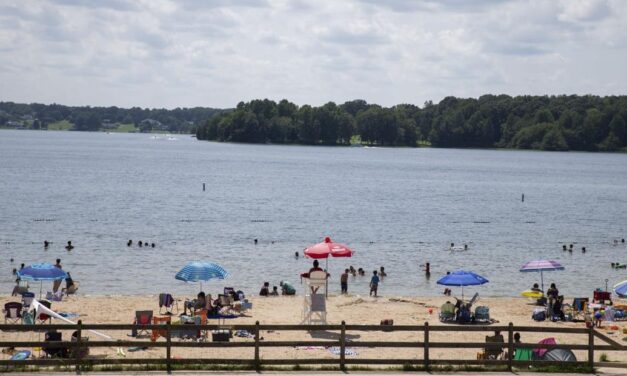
<point>148,125</point>
<point>15,124</point>
<point>107,125</point>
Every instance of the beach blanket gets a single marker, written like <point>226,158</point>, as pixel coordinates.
<point>68,315</point>
<point>244,333</point>
<point>347,351</point>
<point>21,355</point>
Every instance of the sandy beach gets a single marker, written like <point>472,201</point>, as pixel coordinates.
<point>353,309</point>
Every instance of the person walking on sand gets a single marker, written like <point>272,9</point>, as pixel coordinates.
<point>344,282</point>
<point>57,283</point>
<point>374,283</point>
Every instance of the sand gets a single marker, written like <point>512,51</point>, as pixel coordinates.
<point>353,309</point>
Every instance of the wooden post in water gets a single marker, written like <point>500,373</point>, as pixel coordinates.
<point>426,352</point>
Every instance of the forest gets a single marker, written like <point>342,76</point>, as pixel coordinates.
<point>558,123</point>
<point>86,118</point>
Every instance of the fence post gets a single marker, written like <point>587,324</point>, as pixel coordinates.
<point>77,349</point>
<point>510,346</point>
<point>343,347</point>
<point>168,349</point>
<point>591,347</point>
<point>426,348</point>
<point>257,337</point>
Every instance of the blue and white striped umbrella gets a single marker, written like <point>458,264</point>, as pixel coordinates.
<point>197,271</point>
<point>621,289</point>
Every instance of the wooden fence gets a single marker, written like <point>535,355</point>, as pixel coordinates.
<point>257,362</point>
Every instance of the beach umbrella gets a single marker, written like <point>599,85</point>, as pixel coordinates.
<point>41,272</point>
<point>462,278</point>
<point>328,248</point>
<point>621,289</point>
<point>197,271</point>
<point>541,266</point>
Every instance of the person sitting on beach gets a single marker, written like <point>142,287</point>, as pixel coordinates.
<point>316,268</point>
<point>199,303</point>
<point>70,286</point>
<point>536,288</point>
<point>69,245</point>
<point>447,291</point>
<point>287,288</point>
<point>558,313</point>
<point>374,283</point>
<point>265,289</point>
<point>275,291</point>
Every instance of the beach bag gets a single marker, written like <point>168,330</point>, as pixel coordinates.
<point>387,322</point>
<point>538,314</point>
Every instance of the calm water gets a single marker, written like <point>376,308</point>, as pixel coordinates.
<point>395,207</point>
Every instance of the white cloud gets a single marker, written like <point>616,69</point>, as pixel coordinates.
<point>166,53</point>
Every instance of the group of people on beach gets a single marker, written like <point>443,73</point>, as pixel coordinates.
<point>375,279</point>
<point>286,289</point>
<point>70,286</point>
<point>140,244</point>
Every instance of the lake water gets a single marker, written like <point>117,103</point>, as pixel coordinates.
<point>398,208</point>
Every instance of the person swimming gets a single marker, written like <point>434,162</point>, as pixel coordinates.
<point>140,243</point>
<point>69,245</point>
<point>152,245</point>
<point>129,243</point>
<point>296,255</point>
<point>46,244</point>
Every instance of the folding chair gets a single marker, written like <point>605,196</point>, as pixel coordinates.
<point>143,318</point>
<point>13,312</point>
<point>578,309</point>
<point>27,299</point>
<point>43,317</point>
<point>494,352</point>
<point>51,351</point>
<point>482,314</point>
<point>166,300</point>
<point>447,312</point>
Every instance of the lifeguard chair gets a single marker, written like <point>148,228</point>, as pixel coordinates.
<point>315,304</point>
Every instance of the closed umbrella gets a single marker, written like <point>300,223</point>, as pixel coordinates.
<point>541,266</point>
<point>197,271</point>
<point>462,278</point>
<point>41,272</point>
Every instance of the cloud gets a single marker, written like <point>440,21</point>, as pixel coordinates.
<point>216,53</point>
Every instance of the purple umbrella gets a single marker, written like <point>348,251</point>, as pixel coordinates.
<point>541,266</point>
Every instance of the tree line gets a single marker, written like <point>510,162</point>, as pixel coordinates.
<point>86,118</point>
<point>589,123</point>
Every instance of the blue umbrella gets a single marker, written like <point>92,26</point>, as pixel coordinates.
<point>41,272</point>
<point>462,278</point>
<point>197,271</point>
<point>621,289</point>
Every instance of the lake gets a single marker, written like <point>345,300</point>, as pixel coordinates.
<point>396,207</point>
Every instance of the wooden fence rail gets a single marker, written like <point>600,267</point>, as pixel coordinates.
<point>257,362</point>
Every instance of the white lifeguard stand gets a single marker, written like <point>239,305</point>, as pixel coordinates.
<point>315,304</point>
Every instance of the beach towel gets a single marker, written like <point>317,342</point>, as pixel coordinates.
<point>21,355</point>
<point>335,350</point>
<point>523,354</point>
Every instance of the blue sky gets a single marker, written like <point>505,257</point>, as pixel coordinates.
<point>162,53</point>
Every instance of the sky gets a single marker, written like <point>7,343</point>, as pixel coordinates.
<point>216,53</point>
